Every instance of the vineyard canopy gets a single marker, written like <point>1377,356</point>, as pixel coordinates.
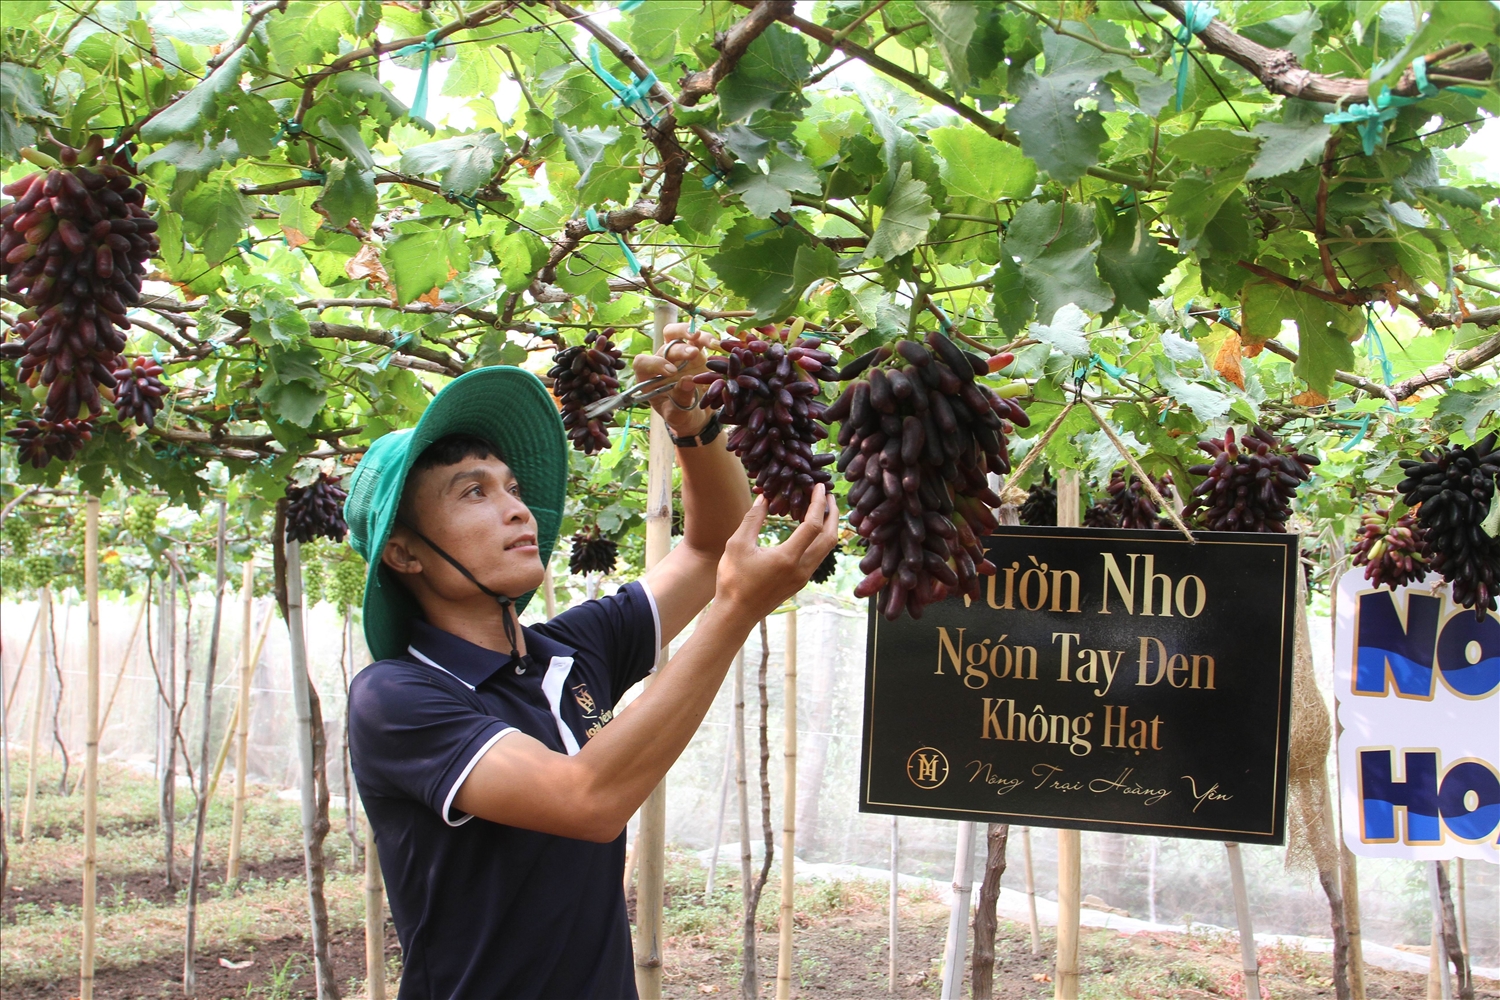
<point>1212,214</point>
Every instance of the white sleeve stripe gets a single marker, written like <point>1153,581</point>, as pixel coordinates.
<point>458,782</point>
<point>655,616</point>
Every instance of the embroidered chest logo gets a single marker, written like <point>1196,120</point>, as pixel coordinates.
<point>591,713</point>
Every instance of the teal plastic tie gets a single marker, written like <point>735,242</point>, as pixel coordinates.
<point>1095,361</point>
<point>1370,119</point>
<point>314,175</point>
<point>249,248</point>
<point>545,331</point>
<point>625,437</point>
<point>627,95</point>
<point>595,226</point>
<point>1363,425</point>
<point>1225,314</point>
<point>943,321</point>
<point>426,48</point>
<point>626,6</point>
<point>713,178</point>
<point>1375,348</point>
<point>1196,17</point>
<point>469,202</point>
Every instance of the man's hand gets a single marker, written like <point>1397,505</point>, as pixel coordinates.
<point>682,355</point>
<point>754,580</point>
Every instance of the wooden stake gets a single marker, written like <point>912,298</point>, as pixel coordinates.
<point>891,947</point>
<point>1248,961</point>
<point>44,612</point>
<point>91,747</point>
<point>1349,879</point>
<point>195,872</point>
<point>1462,902</point>
<point>788,813</point>
<point>374,919</point>
<point>241,728</point>
<point>1036,929</point>
<point>1439,959</point>
<point>653,830</point>
<point>958,914</point>
<point>549,593</point>
<point>1065,978</point>
<point>312,851</point>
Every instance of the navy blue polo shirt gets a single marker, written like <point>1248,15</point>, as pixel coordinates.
<point>484,910</point>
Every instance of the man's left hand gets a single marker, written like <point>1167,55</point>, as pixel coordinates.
<point>682,355</point>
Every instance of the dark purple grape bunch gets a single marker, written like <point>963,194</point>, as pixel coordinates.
<point>1132,506</point>
<point>920,438</point>
<point>1100,515</point>
<point>316,510</point>
<point>585,374</point>
<point>39,441</point>
<point>74,244</point>
<point>592,554</point>
<point>139,391</point>
<point>766,389</point>
<point>828,566</point>
<point>1250,485</point>
<point>1392,554</point>
<point>1455,489</point>
<point>1040,508</point>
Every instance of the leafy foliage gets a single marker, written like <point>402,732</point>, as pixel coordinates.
<point>1028,173</point>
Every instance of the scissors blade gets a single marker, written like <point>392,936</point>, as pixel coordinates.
<point>639,393</point>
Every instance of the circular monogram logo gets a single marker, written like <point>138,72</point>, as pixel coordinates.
<point>927,767</point>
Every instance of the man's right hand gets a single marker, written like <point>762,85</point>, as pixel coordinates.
<point>753,579</point>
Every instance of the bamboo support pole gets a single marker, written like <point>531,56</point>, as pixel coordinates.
<point>1248,961</point>
<point>1065,978</point>
<point>302,697</point>
<point>374,919</point>
<point>1036,929</point>
<point>241,728</point>
<point>1461,901</point>
<point>91,749</point>
<point>44,612</point>
<point>713,863</point>
<point>232,728</point>
<point>549,593</point>
<point>1349,879</point>
<point>650,884</point>
<point>891,947</point>
<point>195,873</point>
<point>958,915</point>
<point>788,814</point>
<point>742,792</point>
<point>15,683</point>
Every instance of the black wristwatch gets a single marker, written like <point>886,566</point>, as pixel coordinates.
<point>706,435</point>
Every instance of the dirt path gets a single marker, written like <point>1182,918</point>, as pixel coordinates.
<point>117,889</point>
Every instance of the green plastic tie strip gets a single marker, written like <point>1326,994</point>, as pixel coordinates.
<point>1371,118</point>
<point>626,6</point>
<point>595,226</point>
<point>1196,16</point>
<point>425,47</point>
<point>314,175</point>
<point>249,248</point>
<point>627,95</point>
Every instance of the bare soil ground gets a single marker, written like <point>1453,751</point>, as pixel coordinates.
<point>841,928</point>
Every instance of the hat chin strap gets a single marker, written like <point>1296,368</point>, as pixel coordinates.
<point>505,602</point>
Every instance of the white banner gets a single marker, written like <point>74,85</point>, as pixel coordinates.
<point>1417,681</point>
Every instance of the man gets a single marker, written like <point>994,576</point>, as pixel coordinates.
<point>495,775</point>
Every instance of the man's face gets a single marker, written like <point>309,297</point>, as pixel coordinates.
<point>473,510</point>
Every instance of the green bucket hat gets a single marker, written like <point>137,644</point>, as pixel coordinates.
<point>508,407</point>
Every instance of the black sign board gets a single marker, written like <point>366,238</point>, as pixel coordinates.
<point>1105,680</point>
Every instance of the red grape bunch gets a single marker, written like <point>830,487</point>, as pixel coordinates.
<point>40,440</point>
<point>74,242</point>
<point>1132,506</point>
<point>1456,490</point>
<point>138,390</point>
<point>316,509</point>
<point>767,390</point>
<point>920,437</point>
<point>584,374</point>
<point>1250,484</point>
<point>1391,553</point>
<point>592,554</point>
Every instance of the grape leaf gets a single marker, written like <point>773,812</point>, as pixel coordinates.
<point>1134,263</point>
<point>1054,244</point>
<point>907,217</point>
<point>417,262</point>
<point>952,23</point>
<point>1212,147</point>
<point>188,115</point>
<point>1287,146</point>
<point>465,162</point>
<point>769,72</point>
<point>772,271</point>
<point>1063,140</point>
<point>349,194</point>
<point>1196,198</point>
<point>983,167</point>
<point>765,193</point>
<point>215,215</point>
<point>304,32</point>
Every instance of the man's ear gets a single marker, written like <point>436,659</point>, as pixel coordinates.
<point>398,554</point>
